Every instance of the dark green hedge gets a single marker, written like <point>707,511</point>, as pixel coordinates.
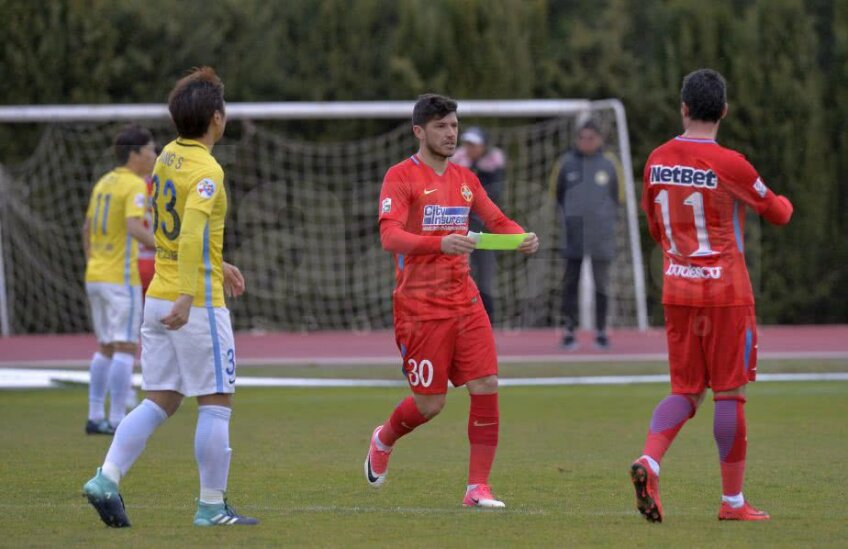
<point>786,62</point>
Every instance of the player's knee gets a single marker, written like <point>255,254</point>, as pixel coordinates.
<point>169,401</point>
<point>733,394</point>
<point>431,406</point>
<point>695,399</point>
<point>124,347</point>
<point>217,399</point>
<point>483,386</point>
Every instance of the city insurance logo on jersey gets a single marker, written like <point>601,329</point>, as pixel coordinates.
<point>445,218</point>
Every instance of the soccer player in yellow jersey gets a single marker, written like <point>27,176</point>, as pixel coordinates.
<point>112,230</point>
<point>187,344</point>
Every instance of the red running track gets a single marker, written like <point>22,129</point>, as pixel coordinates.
<point>536,345</point>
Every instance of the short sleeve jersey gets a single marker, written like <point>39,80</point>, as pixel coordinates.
<point>695,193</point>
<point>430,286</point>
<point>187,176</point>
<point>118,195</point>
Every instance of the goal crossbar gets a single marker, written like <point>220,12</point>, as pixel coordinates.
<point>292,110</point>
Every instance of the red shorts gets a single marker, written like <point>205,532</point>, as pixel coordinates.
<point>146,270</point>
<point>712,347</point>
<point>458,349</point>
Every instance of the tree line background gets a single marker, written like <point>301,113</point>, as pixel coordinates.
<point>786,62</point>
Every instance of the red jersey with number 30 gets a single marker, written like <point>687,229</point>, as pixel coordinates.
<point>417,208</point>
<point>695,193</point>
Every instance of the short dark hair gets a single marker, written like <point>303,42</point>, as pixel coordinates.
<point>589,125</point>
<point>704,91</point>
<point>130,139</point>
<point>194,100</point>
<point>431,106</point>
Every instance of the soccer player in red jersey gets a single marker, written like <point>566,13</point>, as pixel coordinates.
<point>441,328</point>
<point>695,194</point>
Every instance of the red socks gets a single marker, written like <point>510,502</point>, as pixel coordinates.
<point>403,420</point>
<point>730,432</point>
<point>668,418</point>
<point>483,420</point>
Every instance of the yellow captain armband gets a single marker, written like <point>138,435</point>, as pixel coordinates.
<point>191,250</point>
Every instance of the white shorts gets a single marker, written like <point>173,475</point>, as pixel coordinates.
<point>115,311</point>
<point>196,360</point>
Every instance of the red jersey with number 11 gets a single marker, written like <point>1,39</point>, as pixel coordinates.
<point>695,194</point>
<point>417,208</point>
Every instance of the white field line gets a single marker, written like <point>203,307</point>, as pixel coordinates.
<point>24,378</point>
<point>382,360</point>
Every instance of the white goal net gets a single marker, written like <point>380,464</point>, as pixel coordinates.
<point>302,225</point>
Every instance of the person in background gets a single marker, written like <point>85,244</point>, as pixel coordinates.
<point>587,193</point>
<point>111,233</point>
<point>488,164</point>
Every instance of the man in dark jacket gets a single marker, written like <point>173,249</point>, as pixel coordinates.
<point>587,194</point>
<point>488,164</point>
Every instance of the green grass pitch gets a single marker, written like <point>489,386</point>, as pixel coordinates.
<point>562,469</point>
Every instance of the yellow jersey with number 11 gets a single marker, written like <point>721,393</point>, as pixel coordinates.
<point>187,177</point>
<point>118,195</point>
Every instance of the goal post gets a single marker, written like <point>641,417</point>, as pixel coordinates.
<point>303,213</point>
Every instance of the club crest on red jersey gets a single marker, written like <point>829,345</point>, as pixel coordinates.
<point>466,193</point>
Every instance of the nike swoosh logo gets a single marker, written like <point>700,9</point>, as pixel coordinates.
<point>404,425</point>
<point>430,191</point>
<point>371,477</point>
<point>478,424</point>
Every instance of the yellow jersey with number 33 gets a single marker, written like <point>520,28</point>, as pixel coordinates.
<point>118,195</point>
<point>187,176</point>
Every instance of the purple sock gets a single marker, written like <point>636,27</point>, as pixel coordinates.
<point>731,436</point>
<point>669,417</point>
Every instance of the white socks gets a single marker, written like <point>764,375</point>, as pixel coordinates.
<point>211,446</point>
<point>120,374</point>
<point>655,467</point>
<point>380,445</point>
<point>736,501</point>
<point>212,451</point>
<point>131,437</point>
<point>99,373</point>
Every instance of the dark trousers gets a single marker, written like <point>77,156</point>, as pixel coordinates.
<point>571,284</point>
<point>483,267</point>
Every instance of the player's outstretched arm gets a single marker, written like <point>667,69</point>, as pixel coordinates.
<point>137,230</point>
<point>746,185</point>
<point>493,218</point>
<point>458,244</point>
<point>779,210</point>
<point>530,245</point>
<point>395,239</point>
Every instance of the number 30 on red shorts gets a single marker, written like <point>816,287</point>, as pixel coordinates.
<point>457,349</point>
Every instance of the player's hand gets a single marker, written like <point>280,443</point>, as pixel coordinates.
<point>530,244</point>
<point>233,280</point>
<point>457,244</point>
<point>178,317</point>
